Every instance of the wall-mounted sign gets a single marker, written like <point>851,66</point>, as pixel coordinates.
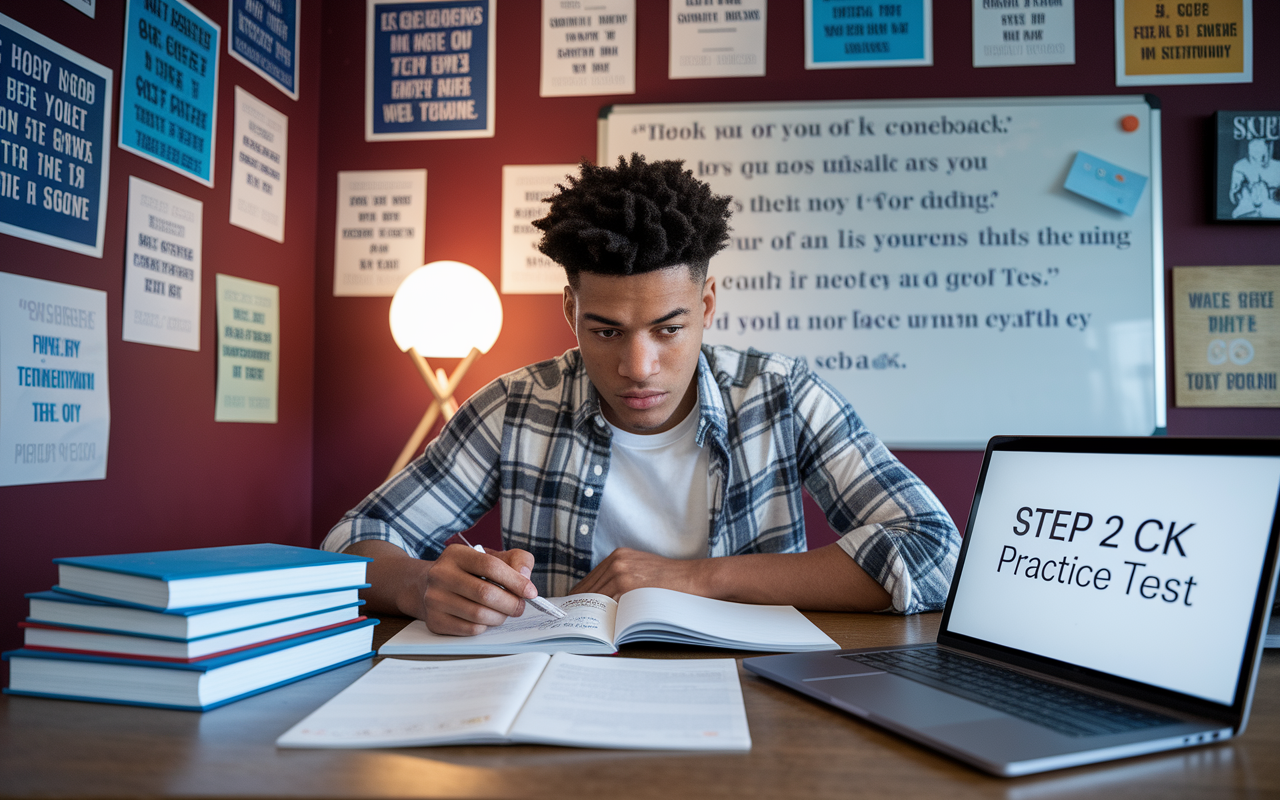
<point>379,233</point>
<point>1226,336</point>
<point>248,350</point>
<point>588,51</point>
<point>839,34</point>
<point>261,168</point>
<point>525,270</point>
<point>1246,174</point>
<point>263,35</point>
<point>717,41</point>
<point>1160,42</point>
<point>162,255</point>
<point>1018,35</point>
<point>169,99</point>
<point>55,120</point>
<point>429,69</point>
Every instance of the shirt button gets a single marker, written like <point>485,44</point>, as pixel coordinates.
<point>583,529</point>
<point>590,492</point>
<point>598,469</point>
<point>599,421</point>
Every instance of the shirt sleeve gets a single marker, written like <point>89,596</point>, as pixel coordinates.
<point>443,491</point>
<point>892,524</point>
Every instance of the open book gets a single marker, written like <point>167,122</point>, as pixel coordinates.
<point>595,624</point>
<point>576,701</point>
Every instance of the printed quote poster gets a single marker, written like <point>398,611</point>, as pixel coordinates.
<point>588,49</point>
<point>1226,336</point>
<point>263,35</point>
<point>55,410</point>
<point>1162,43</point>
<point>169,95</point>
<point>839,34</point>
<point>717,41</point>
<point>55,122</point>
<point>162,254</point>
<point>379,235</point>
<point>525,270</point>
<point>1009,33</point>
<point>429,69</point>
<point>248,350</point>
<point>260,170</point>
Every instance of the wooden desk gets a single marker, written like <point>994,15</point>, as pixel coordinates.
<point>54,748</point>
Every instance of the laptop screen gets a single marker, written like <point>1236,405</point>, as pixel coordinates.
<point>1144,566</point>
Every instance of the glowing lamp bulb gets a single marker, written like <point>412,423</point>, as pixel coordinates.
<point>444,309</point>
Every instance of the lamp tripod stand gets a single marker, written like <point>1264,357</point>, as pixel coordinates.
<point>442,388</point>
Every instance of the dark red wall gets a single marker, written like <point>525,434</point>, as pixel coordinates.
<point>368,396</point>
<point>175,478</point>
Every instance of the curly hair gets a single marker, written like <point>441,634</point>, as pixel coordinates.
<point>634,218</point>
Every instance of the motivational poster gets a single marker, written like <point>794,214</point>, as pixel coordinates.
<point>839,34</point>
<point>55,409</point>
<point>248,350</point>
<point>429,69</point>
<point>525,270</point>
<point>1226,336</point>
<point>379,236</point>
<point>162,254</point>
<point>263,35</point>
<point>716,41</point>
<point>1160,42</point>
<point>260,168</point>
<point>589,50</point>
<point>55,122</point>
<point>169,94</point>
<point>1246,173</point>
<point>1009,33</point>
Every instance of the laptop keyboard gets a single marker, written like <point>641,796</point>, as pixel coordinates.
<point>1060,708</point>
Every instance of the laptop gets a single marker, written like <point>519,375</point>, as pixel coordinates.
<point>1110,600</point>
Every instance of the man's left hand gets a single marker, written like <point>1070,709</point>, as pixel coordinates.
<point>626,569</point>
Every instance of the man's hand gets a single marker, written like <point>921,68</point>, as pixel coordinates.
<point>448,593</point>
<point>625,569</point>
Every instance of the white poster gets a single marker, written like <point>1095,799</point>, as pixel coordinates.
<point>716,41</point>
<point>248,350</point>
<point>162,252</point>
<point>381,214</point>
<point>525,270</point>
<point>259,171</point>
<point>55,410</point>
<point>86,7</point>
<point>588,49</point>
<point>1021,37</point>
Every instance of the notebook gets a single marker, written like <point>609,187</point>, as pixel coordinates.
<point>1110,600</point>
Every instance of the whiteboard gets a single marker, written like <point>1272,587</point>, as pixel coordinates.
<point>924,257</point>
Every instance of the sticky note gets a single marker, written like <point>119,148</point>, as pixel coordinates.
<point>1106,183</point>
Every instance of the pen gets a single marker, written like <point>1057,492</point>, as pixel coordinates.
<point>537,602</point>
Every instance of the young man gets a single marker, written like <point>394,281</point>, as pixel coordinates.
<point>645,458</point>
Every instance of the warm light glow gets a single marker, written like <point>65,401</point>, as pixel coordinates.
<point>444,309</point>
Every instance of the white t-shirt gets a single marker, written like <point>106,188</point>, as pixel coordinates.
<point>655,498</point>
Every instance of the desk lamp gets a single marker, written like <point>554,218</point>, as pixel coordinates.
<point>445,309</point>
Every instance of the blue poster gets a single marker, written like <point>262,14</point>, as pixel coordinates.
<point>429,69</point>
<point>169,89</point>
<point>55,124</point>
<point>859,33</point>
<point>263,35</point>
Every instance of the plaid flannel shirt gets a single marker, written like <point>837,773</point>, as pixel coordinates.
<point>534,442</point>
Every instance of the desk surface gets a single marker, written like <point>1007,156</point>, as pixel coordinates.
<point>52,748</point>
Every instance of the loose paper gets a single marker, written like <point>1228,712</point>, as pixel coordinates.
<point>169,105</point>
<point>248,350</point>
<point>55,409</point>
<point>588,50</point>
<point>711,40</point>
<point>1226,336</point>
<point>429,69</point>
<point>525,270</point>
<point>853,33</point>
<point>162,254</point>
<point>1159,43</point>
<point>381,215</point>
<point>260,171</point>
<point>263,35</point>
<point>55,123</point>
<point>1010,34</point>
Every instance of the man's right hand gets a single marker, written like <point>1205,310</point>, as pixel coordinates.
<point>448,593</point>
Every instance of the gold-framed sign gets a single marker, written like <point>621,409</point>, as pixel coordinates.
<point>1226,334</point>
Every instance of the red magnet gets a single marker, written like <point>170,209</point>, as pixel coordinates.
<point>1129,123</point>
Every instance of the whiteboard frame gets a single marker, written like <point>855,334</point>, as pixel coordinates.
<point>1159,343</point>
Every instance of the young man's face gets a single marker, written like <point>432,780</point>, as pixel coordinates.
<point>640,336</point>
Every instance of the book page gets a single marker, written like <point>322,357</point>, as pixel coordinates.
<point>647,614</point>
<point>403,703</point>
<point>693,704</point>
<point>588,618</point>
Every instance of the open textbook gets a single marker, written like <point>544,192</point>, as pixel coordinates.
<point>596,624</point>
<point>576,701</point>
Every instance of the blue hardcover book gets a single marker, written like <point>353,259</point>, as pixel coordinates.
<point>206,576</point>
<point>194,686</point>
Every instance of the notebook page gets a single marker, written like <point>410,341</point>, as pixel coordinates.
<point>587,616</point>
<point>401,703</point>
<point>769,627</point>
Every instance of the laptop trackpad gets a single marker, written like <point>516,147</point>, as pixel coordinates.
<point>903,700</point>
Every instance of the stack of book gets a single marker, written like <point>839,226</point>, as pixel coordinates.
<point>191,629</point>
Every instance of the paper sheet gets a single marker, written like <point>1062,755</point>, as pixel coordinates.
<point>260,171</point>
<point>588,48</point>
<point>163,250</point>
<point>248,350</point>
<point>525,270</point>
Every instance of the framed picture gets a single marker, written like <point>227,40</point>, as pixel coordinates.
<point>1247,174</point>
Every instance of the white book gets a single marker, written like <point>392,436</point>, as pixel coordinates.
<point>596,624</point>
<point>570,700</point>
